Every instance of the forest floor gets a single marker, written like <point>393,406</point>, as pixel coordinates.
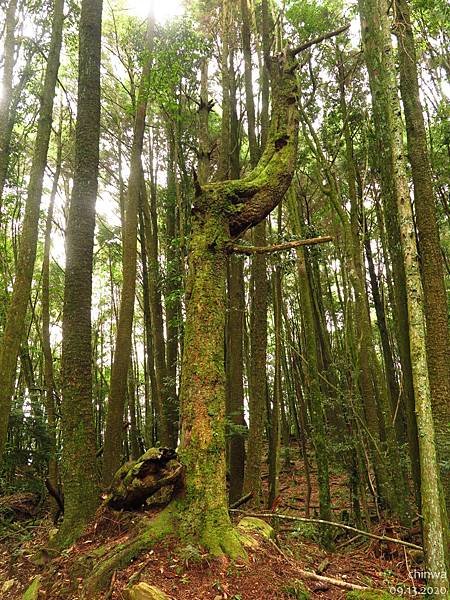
<point>186,574</point>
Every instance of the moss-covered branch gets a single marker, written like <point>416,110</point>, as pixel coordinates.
<point>249,200</point>
<point>249,250</point>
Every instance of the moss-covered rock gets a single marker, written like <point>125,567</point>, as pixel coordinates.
<point>8,585</point>
<point>32,591</point>
<point>255,525</point>
<point>369,595</point>
<point>144,591</point>
<point>296,589</point>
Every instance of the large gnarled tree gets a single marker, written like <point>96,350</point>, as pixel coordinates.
<point>222,211</point>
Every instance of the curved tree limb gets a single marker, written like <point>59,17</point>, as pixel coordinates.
<point>249,200</point>
<point>319,39</point>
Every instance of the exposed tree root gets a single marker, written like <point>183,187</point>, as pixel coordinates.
<point>121,555</point>
<point>220,538</point>
<point>217,536</point>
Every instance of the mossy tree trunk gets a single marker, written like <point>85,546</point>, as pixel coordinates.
<point>235,385</point>
<point>435,297</point>
<point>79,469</point>
<point>223,209</point>
<point>435,524</point>
<point>379,77</point>
<point>172,291</point>
<point>398,499</point>
<point>202,450</point>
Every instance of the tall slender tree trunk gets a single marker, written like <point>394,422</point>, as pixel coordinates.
<point>274,424</point>
<point>203,128</point>
<point>235,385</point>
<point>435,523</point>
<point>312,369</point>
<point>156,314</point>
<point>172,292</point>
<point>434,293</point>
<point>79,469</point>
<point>155,406</point>
<point>15,319</point>
<point>378,79</point>
<point>132,407</point>
<point>119,374</point>
<point>50,404</point>
<point>248,84</point>
<point>258,281</point>
<point>235,292</point>
<point>7,91</point>
<point>395,489</point>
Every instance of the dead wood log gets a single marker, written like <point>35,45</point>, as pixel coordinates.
<point>19,506</point>
<point>136,481</point>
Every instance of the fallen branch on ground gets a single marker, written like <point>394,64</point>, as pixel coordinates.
<point>383,538</point>
<point>242,500</point>
<point>312,575</point>
<point>332,581</point>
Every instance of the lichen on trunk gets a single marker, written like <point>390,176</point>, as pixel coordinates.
<point>203,506</point>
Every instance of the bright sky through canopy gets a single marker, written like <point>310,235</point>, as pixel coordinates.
<point>164,10</point>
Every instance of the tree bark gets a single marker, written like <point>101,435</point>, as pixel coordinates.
<point>378,76</point>
<point>435,524</point>
<point>220,209</point>
<point>79,470</point>
<point>235,386</point>
<point>172,293</point>
<point>7,91</point>
<point>434,293</point>
<point>274,425</point>
<point>50,404</point>
<point>257,389</point>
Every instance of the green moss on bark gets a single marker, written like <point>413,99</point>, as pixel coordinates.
<point>32,592</point>
<point>121,555</point>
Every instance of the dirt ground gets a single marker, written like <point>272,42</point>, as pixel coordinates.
<point>184,573</point>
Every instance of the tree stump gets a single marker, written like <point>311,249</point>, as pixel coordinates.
<point>136,481</point>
